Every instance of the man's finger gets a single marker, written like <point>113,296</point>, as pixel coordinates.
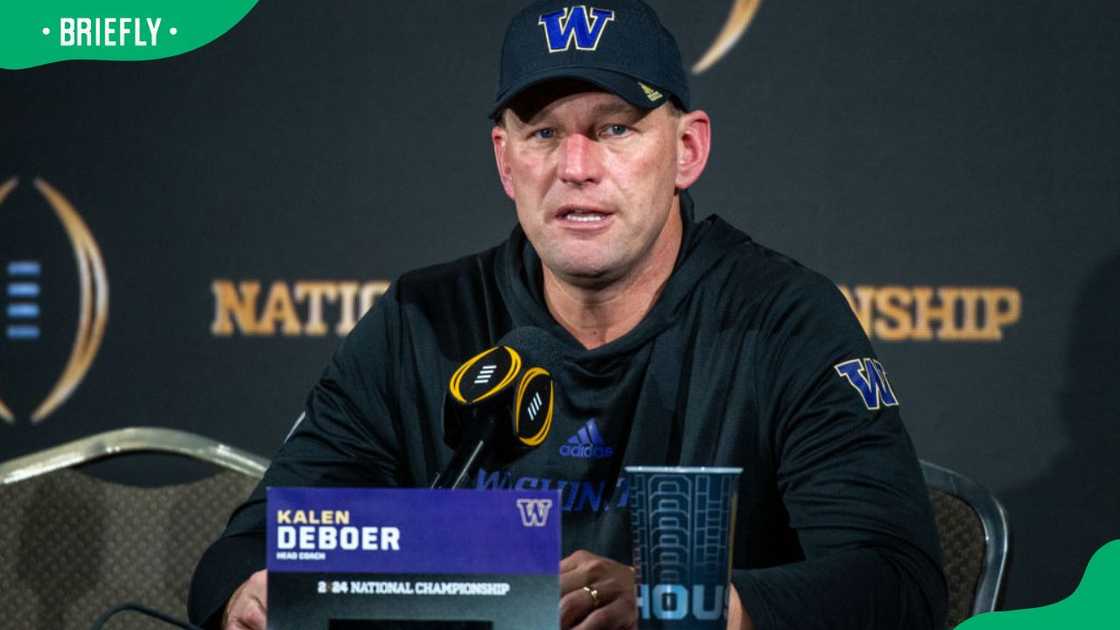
<point>255,617</point>
<point>567,564</point>
<point>621,613</point>
<point>259,601</point>
<point>248,608</point>
<point>248,616</point>
<point>573,579</point>
<point>574,606</point>
<point>574,560</point>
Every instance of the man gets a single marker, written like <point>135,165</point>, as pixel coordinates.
<point>683,343</point>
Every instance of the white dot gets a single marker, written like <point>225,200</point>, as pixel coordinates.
<point>174,31</point>
<point>46,30</point>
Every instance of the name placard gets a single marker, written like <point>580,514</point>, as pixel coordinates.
<point>372,558</point>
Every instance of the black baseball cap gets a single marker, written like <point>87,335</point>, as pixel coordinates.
<point>617,45</point>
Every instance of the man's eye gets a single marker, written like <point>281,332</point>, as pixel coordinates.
<point>617,130</point>
<point>545,134</point>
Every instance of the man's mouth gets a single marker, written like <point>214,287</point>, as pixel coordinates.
<point>582,215</point>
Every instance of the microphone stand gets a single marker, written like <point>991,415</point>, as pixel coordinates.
<point>479,432</point>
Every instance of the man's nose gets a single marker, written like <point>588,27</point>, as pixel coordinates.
<point>579,160</point>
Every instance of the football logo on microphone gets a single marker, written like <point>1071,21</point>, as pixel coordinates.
<point>485,374</point>
<point>36,306</point>
<point>532,416</point>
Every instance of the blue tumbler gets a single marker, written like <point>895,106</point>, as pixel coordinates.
<point>682,521</point>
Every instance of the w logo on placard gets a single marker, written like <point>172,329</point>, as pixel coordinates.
<point>534,512</point>
<point>868,378</point>
<point>577,24</point>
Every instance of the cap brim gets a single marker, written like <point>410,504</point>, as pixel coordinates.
<point>623,85</point>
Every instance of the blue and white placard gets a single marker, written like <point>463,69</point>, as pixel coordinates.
<point>370,558</point>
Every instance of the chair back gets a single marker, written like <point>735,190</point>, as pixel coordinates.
<point>973,531</point>
<point>81,545</point>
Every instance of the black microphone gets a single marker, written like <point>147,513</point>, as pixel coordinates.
<point>500,400</point>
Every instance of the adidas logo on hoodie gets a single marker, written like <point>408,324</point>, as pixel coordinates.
<point>587,443</point>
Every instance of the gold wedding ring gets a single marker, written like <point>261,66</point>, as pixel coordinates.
<point>594,593</point>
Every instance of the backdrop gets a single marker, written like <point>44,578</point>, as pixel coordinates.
<point>184,241</point>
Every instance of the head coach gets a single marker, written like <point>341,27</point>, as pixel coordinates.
<point>683,342</point>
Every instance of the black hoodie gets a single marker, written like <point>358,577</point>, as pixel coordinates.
<point>746,359</point>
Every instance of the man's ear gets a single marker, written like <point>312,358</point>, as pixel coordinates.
<point>694,144</point>
<point>500,137</point>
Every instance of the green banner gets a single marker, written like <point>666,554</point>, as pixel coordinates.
<point>37,32</point>
<point>1093,606</point>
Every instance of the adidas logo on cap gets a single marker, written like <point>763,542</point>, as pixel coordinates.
<point>587,443</point>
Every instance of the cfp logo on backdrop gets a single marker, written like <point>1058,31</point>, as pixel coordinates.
<point>30,277</point>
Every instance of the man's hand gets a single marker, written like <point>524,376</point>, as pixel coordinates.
<point>613,583</point>
<point>248,608</point>
<point>737,617</point>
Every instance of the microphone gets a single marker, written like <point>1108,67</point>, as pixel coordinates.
<point>500,400</point>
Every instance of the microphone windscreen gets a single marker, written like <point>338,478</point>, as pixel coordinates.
<point>536,347</point>
<point>493,377</point>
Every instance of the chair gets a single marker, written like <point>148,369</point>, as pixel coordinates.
<point>973,531</point>
<point>74,545</point>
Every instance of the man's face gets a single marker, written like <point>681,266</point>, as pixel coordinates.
<point>593,178</point>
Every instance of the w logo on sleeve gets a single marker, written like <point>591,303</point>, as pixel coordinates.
<point>575,24</point>
<point>868,378</point>
<point>534,512</point>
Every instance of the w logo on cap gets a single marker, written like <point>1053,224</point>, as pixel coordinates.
<point>578,24</point>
